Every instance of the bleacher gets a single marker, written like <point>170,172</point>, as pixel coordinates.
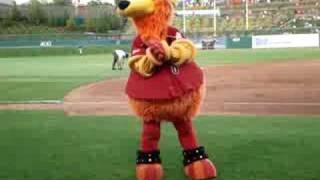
<point>275,17</point>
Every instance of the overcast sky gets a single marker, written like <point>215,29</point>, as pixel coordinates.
<point>82,1</point>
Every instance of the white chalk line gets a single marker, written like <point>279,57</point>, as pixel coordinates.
<point>125,102</point>
<point>226,103</point>
<point>101,102</point>
<point>273,103</point>
<point>32,102</point>
<point>58,102</point>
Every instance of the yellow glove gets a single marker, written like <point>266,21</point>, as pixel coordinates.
<point>181,51</point>
<point>142,64</point>
<point>146,64</point>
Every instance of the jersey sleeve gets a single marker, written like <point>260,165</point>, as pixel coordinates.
<point>138,47</point>
<point>174,34</point>
<point>179,35</point>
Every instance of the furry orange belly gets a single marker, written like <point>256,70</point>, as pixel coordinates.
<point>182,108</point>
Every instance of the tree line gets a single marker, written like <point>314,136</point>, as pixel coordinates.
<point>94,17</point>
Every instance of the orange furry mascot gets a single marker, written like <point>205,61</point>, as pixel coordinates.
<point>165,84</point>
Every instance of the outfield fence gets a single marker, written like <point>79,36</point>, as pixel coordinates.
<point>275,41</point>
<point>285,40</point>
<point>63,40</point>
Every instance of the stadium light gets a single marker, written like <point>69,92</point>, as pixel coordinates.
<point>214,19</point>
<point>247,15</point>
<point>184,16</point>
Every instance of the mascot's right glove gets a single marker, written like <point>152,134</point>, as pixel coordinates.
<point>156,53</point>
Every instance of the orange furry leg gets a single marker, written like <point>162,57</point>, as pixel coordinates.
<point>179,111</point>
<point>150,136</point>
<point>197,164</point>
<point>148,160</point>
<point>149,172</point>
<point>186,134</point>
<point>203,169</point>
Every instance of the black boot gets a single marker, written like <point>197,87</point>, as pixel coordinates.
<point>193,155</point>
<point>149,166</point>
<point>196,160</point>
<point>148,157</point>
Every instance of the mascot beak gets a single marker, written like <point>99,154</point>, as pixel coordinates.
<point>135,8</point>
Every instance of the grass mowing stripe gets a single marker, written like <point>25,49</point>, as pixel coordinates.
<point>54,51</point>
<point>50,77</point>
<point>43,78</point>
<point>33,102</point>
<point>37,145</point>
<point>231,56</point>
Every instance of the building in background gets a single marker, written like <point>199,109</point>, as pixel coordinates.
<point>5,7</point>
<point>80,8</point>
<point>6,2</point>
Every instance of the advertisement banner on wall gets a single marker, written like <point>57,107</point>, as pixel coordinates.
<point>286,41</point>
<point>207,12</point>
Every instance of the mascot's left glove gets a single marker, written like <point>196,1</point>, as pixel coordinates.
<point>156,53</point>
<point>181,51</point>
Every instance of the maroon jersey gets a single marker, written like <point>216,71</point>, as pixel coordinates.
<point>168,81</point>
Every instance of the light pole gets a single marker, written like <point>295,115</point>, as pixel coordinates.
<point>184,16</point>
<point>214,19</point>
<point>247,15</point>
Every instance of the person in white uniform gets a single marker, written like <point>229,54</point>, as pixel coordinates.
<point>119,57</point>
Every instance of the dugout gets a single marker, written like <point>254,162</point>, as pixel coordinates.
<point>208,44</point>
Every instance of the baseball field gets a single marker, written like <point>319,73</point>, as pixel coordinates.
<point>259,121</point>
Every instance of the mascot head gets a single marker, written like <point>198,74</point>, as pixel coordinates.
<point>151,17</point>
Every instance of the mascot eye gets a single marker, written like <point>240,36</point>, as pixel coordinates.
<point>123,4</point>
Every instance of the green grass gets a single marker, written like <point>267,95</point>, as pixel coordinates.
<point>257,55</point>
<point>63,51</point>
<point>51,77</point>
<point>38,145</point>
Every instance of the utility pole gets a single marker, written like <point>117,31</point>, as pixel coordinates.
<point>247,15</point>
<point>214,19</point>
<point>184,16</point>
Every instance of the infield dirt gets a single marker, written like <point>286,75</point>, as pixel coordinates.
<point>278,88</point>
